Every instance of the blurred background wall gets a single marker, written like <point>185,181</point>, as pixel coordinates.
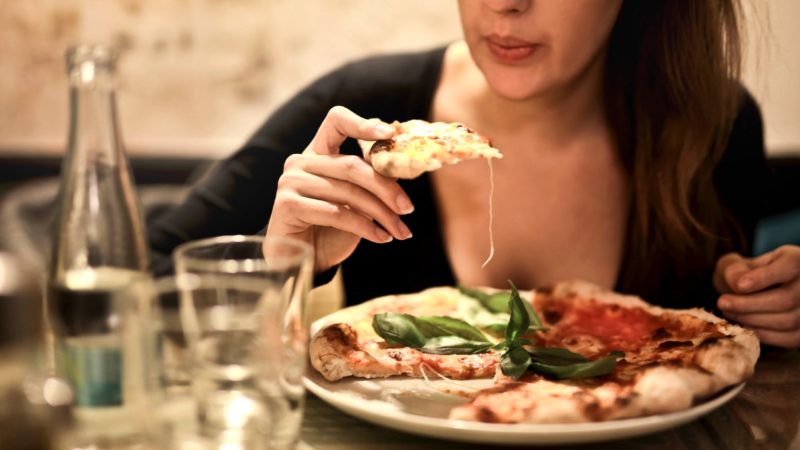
<point>198,76</point>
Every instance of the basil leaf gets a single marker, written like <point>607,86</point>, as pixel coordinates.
<point>496,329</point>
<point>398,328</point>
<point>436,334</point>
<point>497,302</point>
<point>515,361</point>
<point>535,322</point>
<point>519,321</point>
<point>596,368</point>
<point>434,326</point>
<point>556,356</point>
<point>454,345</point>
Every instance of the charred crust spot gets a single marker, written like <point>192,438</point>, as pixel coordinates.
<point>614,307</point>
<point>341,334</point>
<point>624,400</point>
<point>708,343</point>
<point>676,363</point>
<point>384,145</point>
<point>552,316</point>
<point>667,345</point>
<point>484,414</point>
<point>468,368</point>
<point>661,333</point>
<point>395,355</point>
<point>589,404</point>
<point>546,290</point>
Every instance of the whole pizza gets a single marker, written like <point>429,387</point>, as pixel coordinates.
<point>571,353</point>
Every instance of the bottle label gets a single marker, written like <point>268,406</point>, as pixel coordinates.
<point>95,373</point>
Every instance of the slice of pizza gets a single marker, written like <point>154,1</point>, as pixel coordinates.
<point>419,146</point>
<point>345,343</point>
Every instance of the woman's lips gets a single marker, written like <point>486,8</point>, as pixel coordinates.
<point>510,50</point>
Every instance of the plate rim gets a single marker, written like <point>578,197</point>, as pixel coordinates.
<point>491,433</point>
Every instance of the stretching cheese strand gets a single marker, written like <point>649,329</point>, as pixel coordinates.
<point>491,215</point>
<point>448,380</point>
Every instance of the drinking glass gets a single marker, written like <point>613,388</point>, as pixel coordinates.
<point>233,334</point>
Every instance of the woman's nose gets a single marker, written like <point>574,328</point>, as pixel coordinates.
<point>508,6</point>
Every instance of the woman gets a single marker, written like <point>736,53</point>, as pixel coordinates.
<point>632,159</point>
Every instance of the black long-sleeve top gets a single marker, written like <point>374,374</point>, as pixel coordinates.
<point>237,196</point>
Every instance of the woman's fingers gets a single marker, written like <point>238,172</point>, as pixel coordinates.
<point>763,294</point>
<point>729,269</point>
<point>353,169</point>
<point>777,300</point>
<point>340,192</point>
<point>735,273</point>
<point>310,212</point>
<point>785,339</point>
<point>776,267</point>
<point>780,321</point>
<point>339,124</point>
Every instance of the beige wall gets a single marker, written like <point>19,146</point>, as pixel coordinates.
<point>198,76</point>
<point>772,69</point>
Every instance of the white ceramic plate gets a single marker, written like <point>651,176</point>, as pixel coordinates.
<point>420,407</point>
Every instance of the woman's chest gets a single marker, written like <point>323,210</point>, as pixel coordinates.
<point>551,219</point>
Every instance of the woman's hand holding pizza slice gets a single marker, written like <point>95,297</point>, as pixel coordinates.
<point>332,201</point>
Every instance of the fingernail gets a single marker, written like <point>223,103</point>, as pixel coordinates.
<point>745,283</point>
<point>405,233</point>
<point>384,130</point>
<point>404,204</point>
<point>383,235</point>
<point>724,304</point>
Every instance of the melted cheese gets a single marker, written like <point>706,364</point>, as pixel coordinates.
<point>491,213</point>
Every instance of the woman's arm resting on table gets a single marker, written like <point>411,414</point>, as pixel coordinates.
<point>763,293</point>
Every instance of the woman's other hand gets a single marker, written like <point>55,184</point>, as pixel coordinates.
<point>332,201</point>
<point>763,293</point>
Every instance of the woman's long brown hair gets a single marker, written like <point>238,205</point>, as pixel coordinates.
<point>672,92</point>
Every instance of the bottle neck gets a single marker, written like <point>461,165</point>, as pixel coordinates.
<point>93,124</point>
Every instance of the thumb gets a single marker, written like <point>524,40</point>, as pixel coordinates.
<point>340,124</point>
<point>729,269</point>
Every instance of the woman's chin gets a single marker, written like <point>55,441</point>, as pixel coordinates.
<point>517,90</point>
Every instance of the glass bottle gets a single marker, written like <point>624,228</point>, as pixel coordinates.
<point>99,263</point>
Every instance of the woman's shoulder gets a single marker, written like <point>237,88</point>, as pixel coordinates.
<point>747,130</point>
<point>749,112</point>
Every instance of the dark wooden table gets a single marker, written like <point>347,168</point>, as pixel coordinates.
<point>764,416</point>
